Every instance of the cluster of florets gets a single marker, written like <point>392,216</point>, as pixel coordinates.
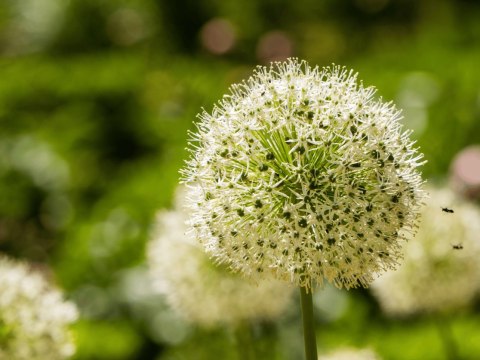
<point>205,293</point>
<point>301,174</point>
<point>441,271</point>
<point>34,318</point>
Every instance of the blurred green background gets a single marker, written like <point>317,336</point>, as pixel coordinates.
<point>96,97</point>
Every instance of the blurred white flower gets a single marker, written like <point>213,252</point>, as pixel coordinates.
<point>441,271</point>
<point>205,293</point>
<point>350,354</point>
<point>301,174</point>
<point>33,24</point>
<point>34,318</point>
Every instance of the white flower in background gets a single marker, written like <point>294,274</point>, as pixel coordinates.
<point>441,271</point>
<point>205,293</point>
<point>350,354</point>
<point>301,174</point>
<point>34,318</point>
<point>32,24</point>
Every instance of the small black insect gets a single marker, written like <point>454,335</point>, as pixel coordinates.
<point>447,210</point>
<point>457,247</point>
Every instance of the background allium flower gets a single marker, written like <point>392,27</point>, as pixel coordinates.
<point>301,174</point>
<point>34,318</point>
<point>205,293</point>
<point>435,276</point>
<point>350,354</point>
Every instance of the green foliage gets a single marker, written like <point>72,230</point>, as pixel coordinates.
<point>106,340</point>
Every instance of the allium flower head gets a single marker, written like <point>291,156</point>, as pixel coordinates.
<point>203,292</point>
<point>302,174</point>
<point>34,318</point>
<point>435,275</point>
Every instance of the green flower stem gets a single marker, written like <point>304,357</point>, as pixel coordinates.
<point>244,341</point>
<point>308,325</point>
<point>446,335</point>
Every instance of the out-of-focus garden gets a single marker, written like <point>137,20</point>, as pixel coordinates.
<point>97,97</point>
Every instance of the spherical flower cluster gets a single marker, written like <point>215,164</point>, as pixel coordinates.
<point>301,174</point>
<point>350,354</point>
<point>34,318</point>
<point>441,271</point>
<point>203,292</point>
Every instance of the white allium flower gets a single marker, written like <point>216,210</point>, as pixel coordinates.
<point>441,271</point>
<point>203,292</point>
<point>350,354</point>
<point>34,318</point>
<point>302,174</point>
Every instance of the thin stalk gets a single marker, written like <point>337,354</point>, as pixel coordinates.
<point>244,341</point>
<point>308,324</point>
<point>448,341</point>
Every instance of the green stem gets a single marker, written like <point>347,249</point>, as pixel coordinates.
<point>448,341</point>
<point>308,325</point>
<point>245,345</point>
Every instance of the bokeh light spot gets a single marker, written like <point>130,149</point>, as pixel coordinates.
<point>218,36</point>
<point>465,171</point>
<point>274,46</point>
